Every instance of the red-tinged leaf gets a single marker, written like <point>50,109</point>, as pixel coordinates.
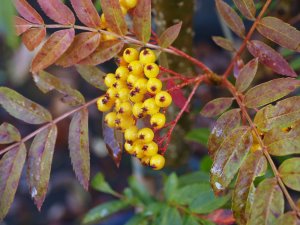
<point>229,158</point>
<point>289,172</point>
<point>114,142</point>
<point>54,47</point>
<point>246,75</point>
<point>21,25</point>
<point>29,13</point>
<point>246,7</point>
<point>39,164</point>
<point>282,115</point>
<point>47,82</point>
<point>93,75</point>
<point>221,216</point>
<point>231,18</point>
<point>270,91</point>
<point>33,38</point>
<point>238,66</point>
<point>270,58</point>
<point>222,128</point>
<point>268,203</point>
<point>142,20</point>
<point>169,35</point>
<point>79,147</point>
<point>105,51</point>
<point>9,134</point>
<point>57,11</point>
<point>216,107</point>
<point>254,165</point>
<point>22,108</point>
<point>280,32</point>
<point>86,12</point>
<point>177,95</point>
<point>83,45</point>
<point>224,43</point>
<point>289,218</point>
<point>11,166</point>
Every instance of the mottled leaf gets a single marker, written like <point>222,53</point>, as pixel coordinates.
<point>54,47</point>
<point>229,157</point>
<point>114,17</point>
<point>169,35</point>
<point>246,7</point>
<point>270,58</point>
<point>33,38</point>
<point>280,32</point>
<point>246,75</point>
<point>21,25</point>
<point>86,12</point>
<point>9,134</point>
<point>99,183</point>
<point>254,165</point>
<point>26,11</point>
<point>57,11</point>
<point>22,108</point>
<point>11,166</point>
<point>177,95</point>
<point>142,20</point>
<point>216,107</point>
<point>79,146</point>
<point>39,164</point>
<point>268,203</point>
<point>92,75</point>
<point>222,128</point>
<point>224,43</point>
<point>231,18</point>
<point>289,172</point>
<point>289,218</point>
<point>270,91</point>
<point>105,51</point>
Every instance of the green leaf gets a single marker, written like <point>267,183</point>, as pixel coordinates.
<point>102,211</point>
<point>289,218</point>
<point>168,216</point>
<point>270,91</point>
<point>137,219</point>
<point>246,7</point>
<point>224,43</point>
<point>99,184</point>
<point>289,172</point>
<point>268,203</point>
<point>246,75</point>
<point>11,166</point>
<point>206,163</point>
<point>9,134</point>
<point>47,82</point>
<point>22,108</point>
<point>93,75</point>
<point>199,135</point>
<point>170,185</point>
<point>295,64</point>
<point>193,178</point>
<point>190,220</point>
<point>254,165</point>
<point>40,157</point>
<point>229,157</point>
<point>216,107</point>
<point>142,20</point>
<point>139,190</point>
<point>169,35</point>
<point>222,128</point>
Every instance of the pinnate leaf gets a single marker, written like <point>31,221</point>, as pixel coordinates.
<point>142,20</point>
<point>246,7</point>
<point>268,203</point>
<point>33,38</point>
<point>280,32</point>
<point>224,43</point>
<point>9,134</point>
<point>79,146</point>
<point>22,108</point>
<point>99,183</point>
<point>229,157</point>
<point>39,164</point>
<point>57,11</point>
<point>169,35</point>
<point>11,166</point>
<point>289,172</point>
<point>21,25</point>
<point>270,91</point>
<point>216,107</point>
<point>231,18</point>
<point>169,215</point>
<point>246,75</point>
<point>288,218</point>
<point>54,47</point>
<point>92,75</point>
<point>177,95</point>
<point>29,13</point>
<point>86,12</point>
<point>270,58</point>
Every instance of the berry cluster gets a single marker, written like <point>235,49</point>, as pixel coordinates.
<point>134,92</point>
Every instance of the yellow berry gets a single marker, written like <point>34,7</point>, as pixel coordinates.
<point>163,99</point>
<point>123,94</point>
<point>150,106</point>
<point>125,108</point>
<point>122,73</point>
<point>141,85</point>
<point>151,70</point>
<point>154,85</point>
<point>130,134</point>
<point>131,80</point>
<point>147,56</point>
<point>111,94</point>
<point>129,4</point>
<point>136,68</point>
<point>157,162</point>
<point>124,121</point>
<point>118,103</point>
<point>124,10</point>
<point>138,111</point>
<point>130,54</point>
<point>109,79</point>
<point>137,149</point>
<point>146,135</point>
<point>121,61</point>
<point>150,149</point>
<point>145,160</point>
<point>128,148</point>
<point>158,120</point>
<point>104,104</point>
<point>135,96</point>
<point>110,119</point>
<point>119,84</point>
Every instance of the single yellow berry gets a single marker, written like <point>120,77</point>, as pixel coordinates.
<point>130,134</point>
<point>150,149</point>
<point>154,85</point>
<point>123,122</point>
<point>104,104</point>
<point>151,70</point>
<point>157,162</point>
<point>118,103</point>
<point>137,149</point>
<point>163,99</point>
<point>146,135</point>
<point>128,148</point>
<point>150,106</point>
<point>135,96</point>
<point>112,94</point>
<point>125,108</point>
<point>120,61</point>
<point>158,120</point>
<point>147,56</point>
<point>141,85</point>
<point>119,84</point>
<point>110,119</point>
<point>129,4</point>
<point>123,94</point>
<point>138,111</point>
<point>109,79</point>
<point>131,80</point>
<point>136,68</point>
<point>122,73</point>
<point>145,160</point>
<point>130,54</point>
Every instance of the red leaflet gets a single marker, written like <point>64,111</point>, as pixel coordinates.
<point>169,35</point>
<point>57,11</point>
<point>142,20</point>
<point>216,107</point>
<point>86,12</point>
<point>224,43</point>
<point>246,7</point>
<point>246,75</point>
<point>177,95</point>
<point>33,38</point>
<point>270,58</point>
<point>29,13</point>
<point>54,47</point>
<point>21,25</point>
